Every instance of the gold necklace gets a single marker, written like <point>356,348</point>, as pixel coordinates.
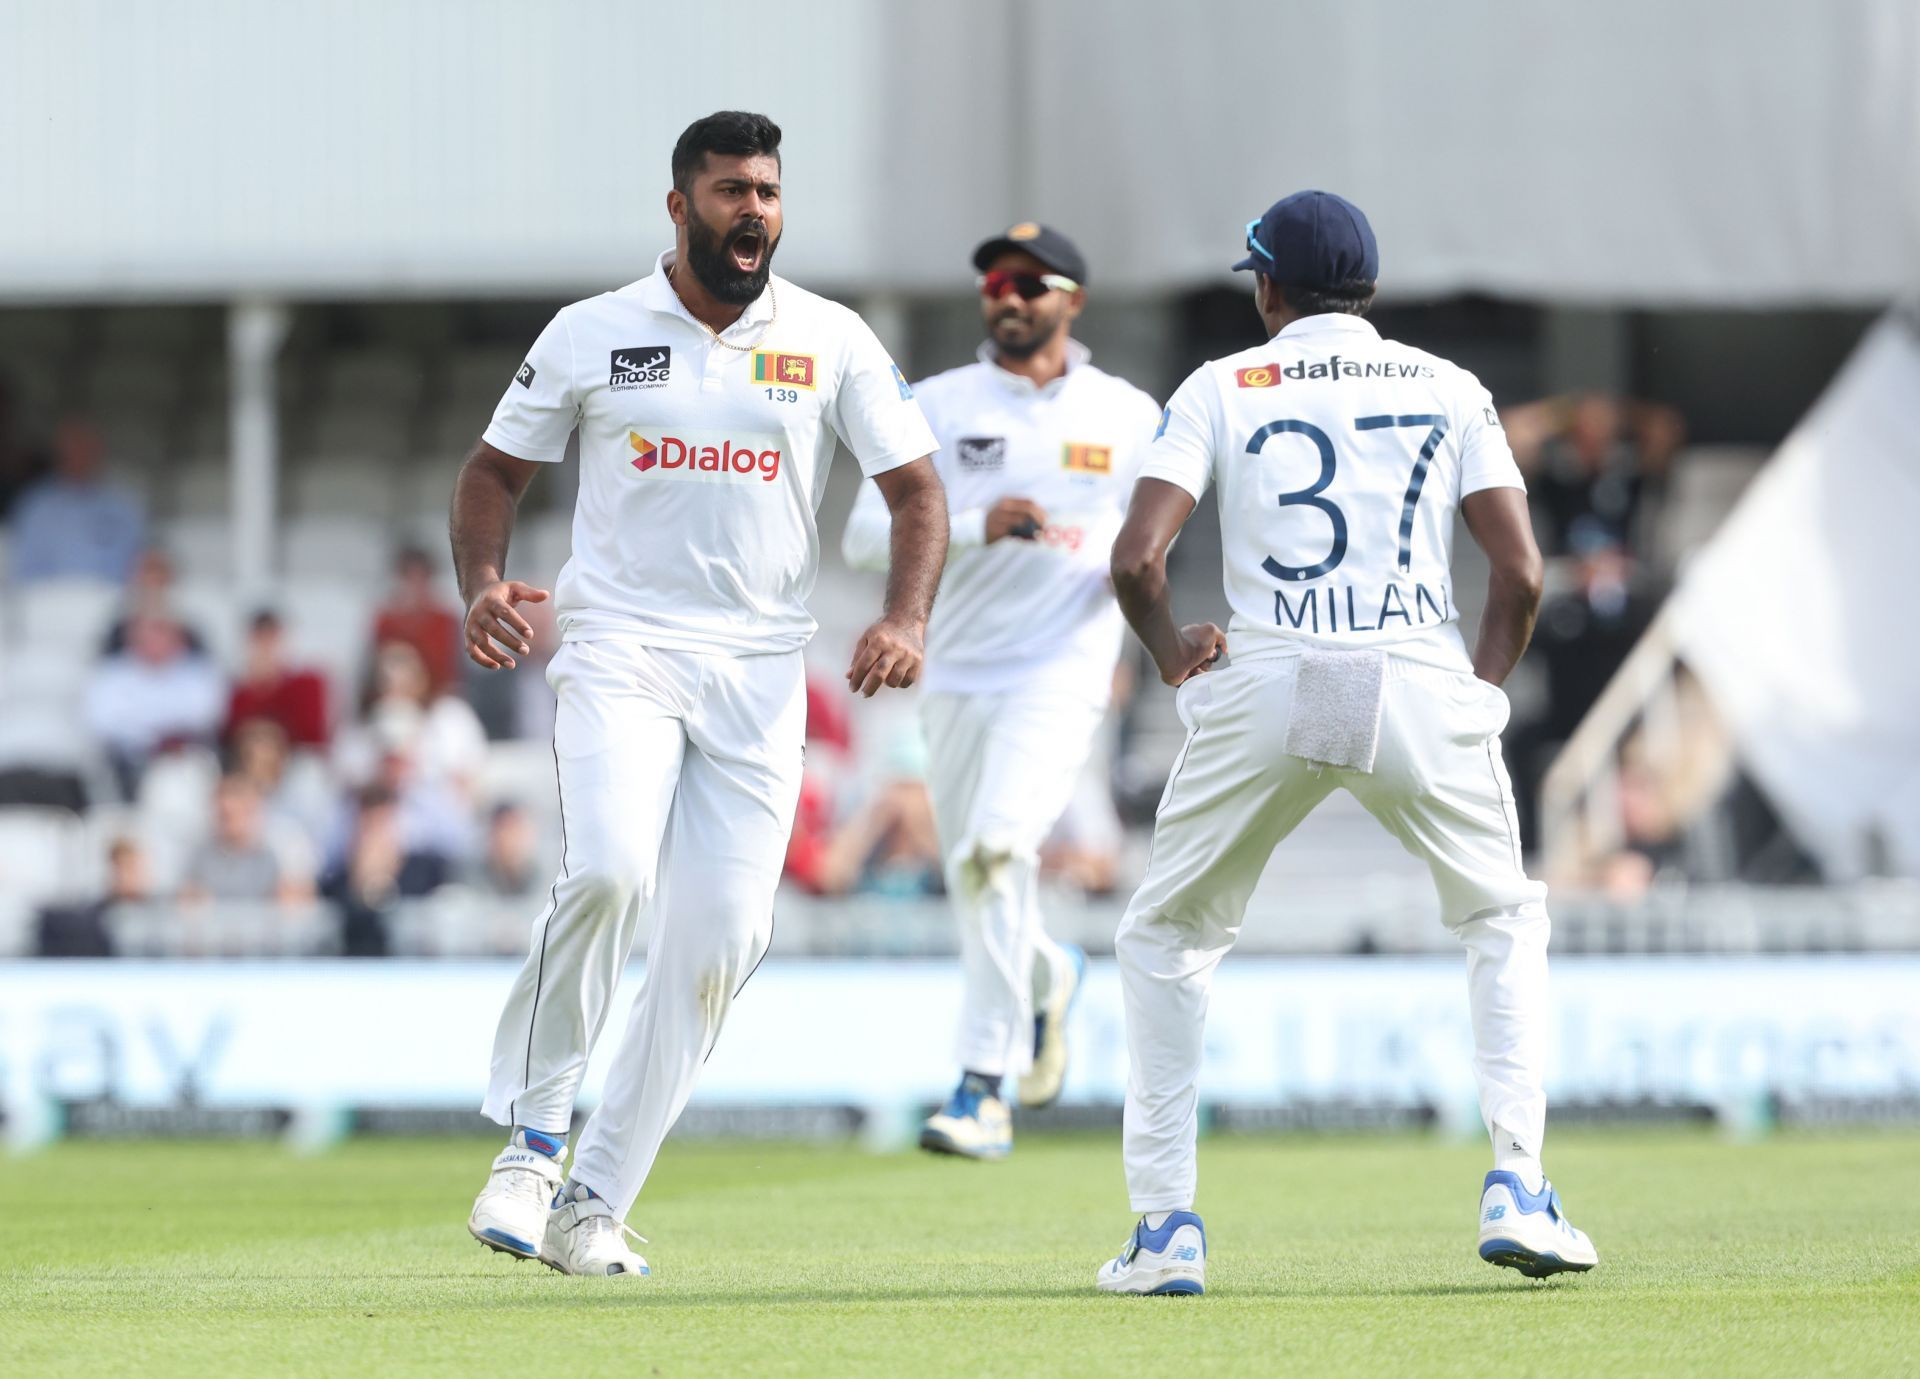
<point>773,314</point>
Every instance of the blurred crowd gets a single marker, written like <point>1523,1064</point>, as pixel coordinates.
<point>307,790</point>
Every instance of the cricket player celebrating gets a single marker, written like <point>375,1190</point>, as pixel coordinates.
<point>1341,459</point>
<point>709,397</point>
<point>1037,453</point>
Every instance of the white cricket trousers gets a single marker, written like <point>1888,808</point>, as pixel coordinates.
<point>1001,769</point>
<point>678,775</point>
<point>1438,785</point>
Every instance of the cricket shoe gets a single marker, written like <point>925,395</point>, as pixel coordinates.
<point>1529,1231</point>
<point>1042,1082</point>
<point>1167,1262</point>
<point>974,1124</point>
<point>510,1214</point>
<point>584,1237</point>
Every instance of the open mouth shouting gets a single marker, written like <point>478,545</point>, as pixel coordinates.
<point>733,267</point>
<point>746,247</point>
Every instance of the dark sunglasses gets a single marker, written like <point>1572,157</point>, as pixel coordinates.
<point>1000,282</point>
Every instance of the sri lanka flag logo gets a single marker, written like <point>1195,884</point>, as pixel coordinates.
<point>783,370</point>
<point>1087,459</point>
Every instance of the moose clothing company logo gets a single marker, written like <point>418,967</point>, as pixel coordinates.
<point>640,366</point>
<point>708,456</point>
<point>979,454</point>
<point>1259,376</point>
<point>784,370</point>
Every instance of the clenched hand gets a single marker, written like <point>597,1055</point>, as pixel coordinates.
<point>888,653</point>
<point>492,619</point>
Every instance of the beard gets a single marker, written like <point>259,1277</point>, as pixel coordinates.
<point>1024,347</point>
<point>709,256</point>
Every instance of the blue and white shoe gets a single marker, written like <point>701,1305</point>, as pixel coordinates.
<point>510,1215</point>
<point>1529,1231</point>
<point>974,1124</point>
<point>1168,1262</point>
<point>1042,1082</point>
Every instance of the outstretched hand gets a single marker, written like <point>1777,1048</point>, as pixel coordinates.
<point>494,629</point>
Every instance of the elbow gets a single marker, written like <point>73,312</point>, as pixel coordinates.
<point>1136,568</point>
<point>1526,577</point>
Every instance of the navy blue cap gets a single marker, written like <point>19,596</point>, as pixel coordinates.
<point>1312,239</point>
<point>1044,242</point>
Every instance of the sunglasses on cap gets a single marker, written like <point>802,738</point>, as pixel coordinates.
<point>1254,245</point>
<point>1000,282</point>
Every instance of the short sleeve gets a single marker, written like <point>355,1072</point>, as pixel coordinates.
<point>873,411</point>
<point>1143,425</point>
<point>1486,460</point>
<point>1183,446</point>
<point>539,409</point>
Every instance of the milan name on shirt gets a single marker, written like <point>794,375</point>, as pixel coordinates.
<point>1340,459</point>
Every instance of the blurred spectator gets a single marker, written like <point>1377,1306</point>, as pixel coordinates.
<point>73,524</point>
<point>293,697</point>
<point>298,793</point>
<point>150,592</point>
<point>374,873</point>
<point>240,861</point>
<point>438,733</point>
<point>418,616</point>
<point>888,847</point>
<point>81,931</point>
<point>509,866</point>
<point>153,696</point>
<point>1592,463</point>
<point>1582,637</point>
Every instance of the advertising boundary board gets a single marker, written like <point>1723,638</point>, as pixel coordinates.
<point>1385,1036</point>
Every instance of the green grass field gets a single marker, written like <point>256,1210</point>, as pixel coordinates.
<point>1796,1256</point>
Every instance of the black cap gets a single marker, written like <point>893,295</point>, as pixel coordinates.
<point>1312,239</point>
<point>1048,245</point>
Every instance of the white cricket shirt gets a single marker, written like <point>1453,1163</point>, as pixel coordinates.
<point>1341,459</point>
<point>1016,610</point>
<point>701,466</point>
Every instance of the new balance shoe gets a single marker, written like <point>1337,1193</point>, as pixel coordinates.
<point>1042,1083</point>
<point>584,1237</point>
<point>510,1214</point>
<point>1529,1231</point>
<point>1169,1261</point>
<point>975,1124</point>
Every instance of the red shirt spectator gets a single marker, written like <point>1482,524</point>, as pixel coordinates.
<point>269,688</point>
<point>415,615</point>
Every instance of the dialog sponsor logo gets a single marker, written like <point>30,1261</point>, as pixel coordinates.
<point>708,456</point>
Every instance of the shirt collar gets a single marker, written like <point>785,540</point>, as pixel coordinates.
<point>1077,355</point>
<point>1329,322</point>
<point>656,294</point>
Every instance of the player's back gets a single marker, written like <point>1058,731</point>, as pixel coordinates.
<point>1340,459</point>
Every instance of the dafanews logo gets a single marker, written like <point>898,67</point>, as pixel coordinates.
<point>1259,376</point>
<point>708,457</point>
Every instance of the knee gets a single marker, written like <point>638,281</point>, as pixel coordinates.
<point>612,881</point>
<point>983,863</point>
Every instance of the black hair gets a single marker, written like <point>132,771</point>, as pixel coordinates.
<point>1354,297</point>
<point>739,133</point>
